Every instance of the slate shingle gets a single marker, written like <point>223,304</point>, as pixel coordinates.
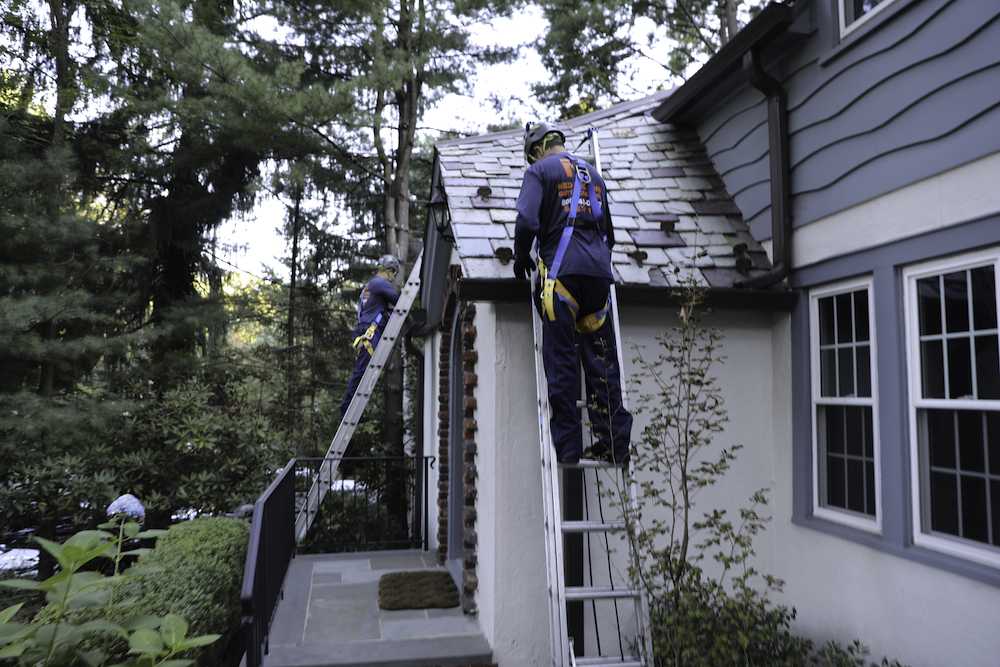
<point>670,209</point>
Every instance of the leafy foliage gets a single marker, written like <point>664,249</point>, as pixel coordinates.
<point>61,638</point>
<point>591,44</point>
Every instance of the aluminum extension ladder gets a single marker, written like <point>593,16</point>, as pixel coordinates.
<point>327,474</point>
<point>635,650</point>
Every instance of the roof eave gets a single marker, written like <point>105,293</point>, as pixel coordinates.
<point>774,19</point>
<point>517,291</point>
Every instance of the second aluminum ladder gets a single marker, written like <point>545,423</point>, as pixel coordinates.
<point>327,473</point>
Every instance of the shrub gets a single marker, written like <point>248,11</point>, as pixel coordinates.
<point>69,630</point>
<point>196,571</point>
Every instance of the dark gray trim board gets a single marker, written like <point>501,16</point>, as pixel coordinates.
<point>885,264</point>
<point>516,291</point>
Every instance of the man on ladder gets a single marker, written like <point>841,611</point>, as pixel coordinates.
<point>375,305</point>
<point>563,203</point>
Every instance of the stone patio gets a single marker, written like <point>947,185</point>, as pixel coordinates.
<point>330,616</point>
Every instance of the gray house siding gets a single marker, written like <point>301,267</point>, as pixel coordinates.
<point>917,95</point>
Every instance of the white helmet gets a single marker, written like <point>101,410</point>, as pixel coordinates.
<point>388,263</point>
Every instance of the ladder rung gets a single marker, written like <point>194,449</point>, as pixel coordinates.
<point>599,593</point>
<point>589,463</point>
<point>591,526</point>
<point>611,661</point>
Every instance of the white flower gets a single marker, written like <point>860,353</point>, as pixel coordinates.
<point>129,505</point>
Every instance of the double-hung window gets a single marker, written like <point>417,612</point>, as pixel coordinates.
<point>954,371</point>
<point>845,422</point>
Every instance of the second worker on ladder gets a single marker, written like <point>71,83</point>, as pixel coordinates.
<point>563,204</point>
<point>375,305</point>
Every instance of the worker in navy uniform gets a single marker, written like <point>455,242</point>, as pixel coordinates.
<point>375,305</point>
<point>563,204</point>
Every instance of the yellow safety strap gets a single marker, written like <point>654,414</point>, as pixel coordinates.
<point>366,339</point>
<point>550,288</point>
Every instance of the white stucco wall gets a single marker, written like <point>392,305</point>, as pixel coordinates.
<point>921,615</point>
<point>431,345</point>
<point>512,599</point>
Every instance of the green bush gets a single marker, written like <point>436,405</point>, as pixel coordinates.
<point>196,571</point>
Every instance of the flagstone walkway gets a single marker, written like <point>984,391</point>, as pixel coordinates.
<point>329,616</point>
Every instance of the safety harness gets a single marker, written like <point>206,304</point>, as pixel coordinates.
<point>552,288</point>
<point>368,336</point>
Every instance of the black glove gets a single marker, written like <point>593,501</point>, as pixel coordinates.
<point>523,267</point>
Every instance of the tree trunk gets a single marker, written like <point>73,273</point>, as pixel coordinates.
<point>291,407</point>
<point>731,22</point>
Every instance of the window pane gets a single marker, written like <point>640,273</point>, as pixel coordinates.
<point>826,321</point>
<point>959,368</point>
<point>855,9</point>
<point>929,301</point>
<point>854,431</point>
<point>835,481</point>
<point>970,441</point>
<point>987,367</point>
<point>993,438</point>
<point>863,357</point>
<point>869,434</point>
<point>861,315</point>
<point>870,488</point>
<point>956,302</point>
<point>941,438</point>
<point>855,485</point>
<point>932,368</point>
<point>944,503</point>
<point>984,298</point>
<point>974,509</point>
<point>828,372</point>
<point>845,371</point>
<point>844,320</point>
<point>834,428</point>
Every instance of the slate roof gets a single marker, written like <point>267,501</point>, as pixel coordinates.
<point>672,215</point>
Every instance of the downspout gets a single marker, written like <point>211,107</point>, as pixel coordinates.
<point>777,136</point>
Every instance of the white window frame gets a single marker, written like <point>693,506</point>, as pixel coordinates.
<point>844,516</point>
<point>953,545</point>
<point>845,29</point>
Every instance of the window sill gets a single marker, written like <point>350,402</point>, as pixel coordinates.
<point>848,42</point>
<point>918,554</point>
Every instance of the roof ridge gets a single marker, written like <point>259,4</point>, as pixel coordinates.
<point>614,110</point>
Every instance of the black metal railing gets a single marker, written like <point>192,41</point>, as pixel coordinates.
<point>271,548</point>
<point>370,504</point>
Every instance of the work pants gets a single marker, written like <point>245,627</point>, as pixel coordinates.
<point>360,364</point>
<point>564,349</point>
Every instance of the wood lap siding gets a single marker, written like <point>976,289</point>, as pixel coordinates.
<point>917,96</point>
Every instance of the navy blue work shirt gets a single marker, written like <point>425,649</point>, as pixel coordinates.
<point>543,208</point>
<point>378,296</point>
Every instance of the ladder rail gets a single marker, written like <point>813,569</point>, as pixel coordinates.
<point>552,514</point>
<point>352,417</point>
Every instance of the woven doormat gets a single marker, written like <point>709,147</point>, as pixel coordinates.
<point>417,590</point>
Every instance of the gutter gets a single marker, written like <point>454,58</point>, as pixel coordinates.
<point>503,290</point>
<point>682,105</point>
<point>742,55</point>
<point>777,146</point>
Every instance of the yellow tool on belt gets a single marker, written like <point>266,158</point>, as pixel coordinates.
<point>553,287</point>
<point>366,339</point>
